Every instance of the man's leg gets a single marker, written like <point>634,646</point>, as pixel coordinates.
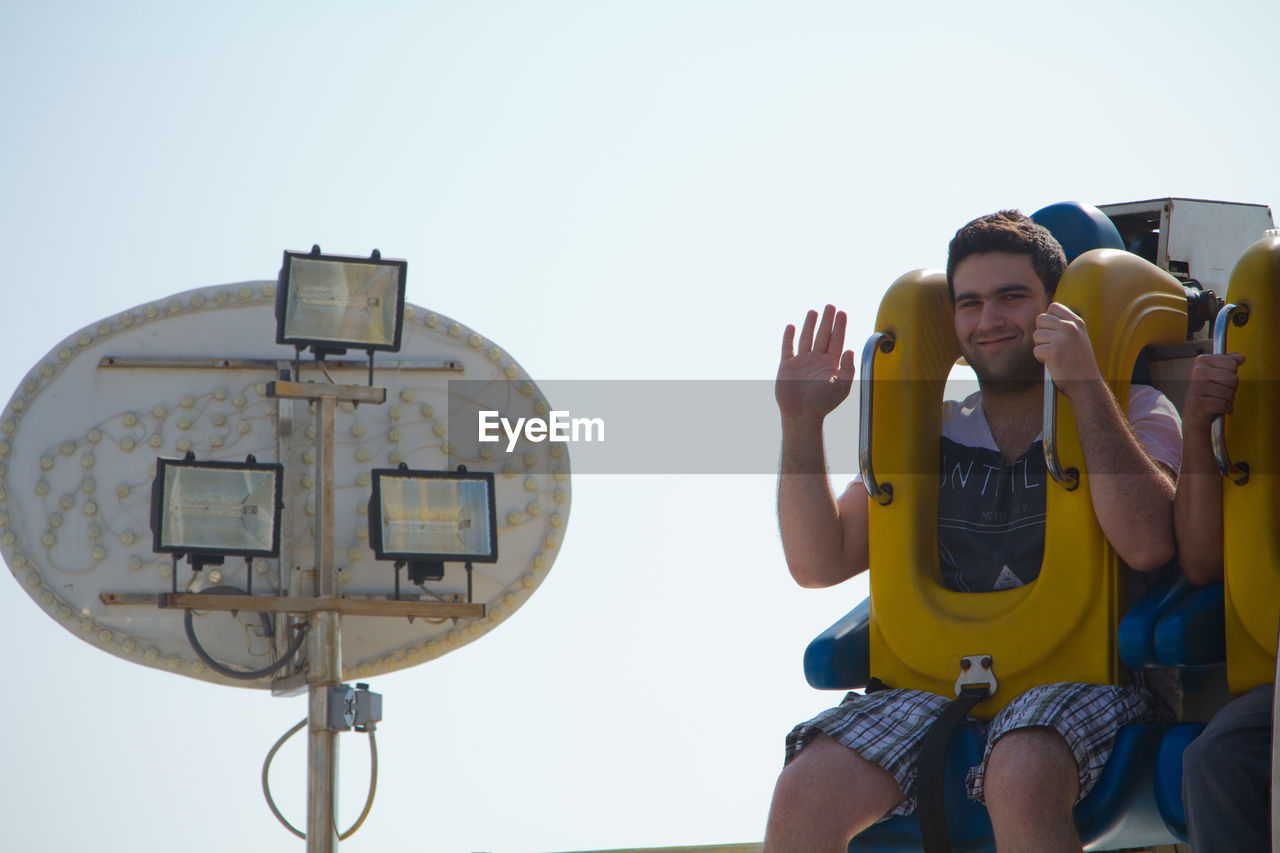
<point>1031,785</point>
<point>1045,750</point>
<point>825,796</point>
<point>1226,778</point>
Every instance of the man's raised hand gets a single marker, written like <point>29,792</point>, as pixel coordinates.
<point>816,372</point>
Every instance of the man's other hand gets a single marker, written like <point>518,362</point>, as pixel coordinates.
<point>1062,345</point>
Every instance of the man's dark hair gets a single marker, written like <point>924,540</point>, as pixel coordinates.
<point>1008,231</point>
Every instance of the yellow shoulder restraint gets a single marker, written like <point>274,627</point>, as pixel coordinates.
<point>1250,324</point>
<point>1060,627</point>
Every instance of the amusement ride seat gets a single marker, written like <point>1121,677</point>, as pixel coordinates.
<point>1234,621</point>
<point>1060,627</point>
<point>1248,453</point>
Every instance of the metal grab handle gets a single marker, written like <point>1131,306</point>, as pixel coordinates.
<point>878,342</point>
<point>1238,315</point>
<point>1070,478</point>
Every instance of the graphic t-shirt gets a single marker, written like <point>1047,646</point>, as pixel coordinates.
<point>991,515</point>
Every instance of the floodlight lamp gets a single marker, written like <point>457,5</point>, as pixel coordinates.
<point>428,518</point>
<point>209,510</point>
<point>334,302</point>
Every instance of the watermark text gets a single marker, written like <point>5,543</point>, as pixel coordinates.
<point>558,426</point>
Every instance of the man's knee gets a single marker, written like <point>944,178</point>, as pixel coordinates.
<point>1031,765</point>
<point>832,791</point>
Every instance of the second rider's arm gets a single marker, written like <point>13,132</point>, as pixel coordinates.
<point>1197,508</point>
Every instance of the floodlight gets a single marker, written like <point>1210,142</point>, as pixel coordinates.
<point>332,302</point>
<point>427,518</point>
<point>207,510</point>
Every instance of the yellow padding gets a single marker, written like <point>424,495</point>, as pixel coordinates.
<point>1061,627</point>
<point>1251,511</point>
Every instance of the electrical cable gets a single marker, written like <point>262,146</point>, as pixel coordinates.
<point>368,803</point>
<point>373,787</point>
<point>266,785</point>
<point>244,675</point>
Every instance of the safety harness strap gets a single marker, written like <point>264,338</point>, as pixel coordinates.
<point>930,770</point>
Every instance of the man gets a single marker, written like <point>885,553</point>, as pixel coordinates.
<point>1226,779</point>
<point>855,764</point>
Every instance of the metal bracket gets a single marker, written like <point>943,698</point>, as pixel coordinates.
<point>353,706</point>
<point>975,670</point>
<point>342,708</point>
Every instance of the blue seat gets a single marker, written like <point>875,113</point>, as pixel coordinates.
<point>1169,776</point>
<point>1176,624</point>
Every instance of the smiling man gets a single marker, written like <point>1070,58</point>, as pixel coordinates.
<point>855,764</point>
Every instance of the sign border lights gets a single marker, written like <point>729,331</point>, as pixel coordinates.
<point>75,493</point>
<point>160,490</point>
<point>376,533</point>
<point>333,343</point>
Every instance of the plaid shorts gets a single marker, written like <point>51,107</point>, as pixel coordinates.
<point>887,727</point>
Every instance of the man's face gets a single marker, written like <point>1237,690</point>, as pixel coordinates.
<point>998,297</point>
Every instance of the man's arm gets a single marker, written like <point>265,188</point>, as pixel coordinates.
<point>1197,507</point>
<point>825,540</point>
<point>1132,494</point>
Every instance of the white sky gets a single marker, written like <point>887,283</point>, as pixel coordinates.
<point>609,190</point>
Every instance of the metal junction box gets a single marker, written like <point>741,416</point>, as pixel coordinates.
<point>1191,238</point>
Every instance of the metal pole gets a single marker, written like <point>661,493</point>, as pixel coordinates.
<point>324,645</point>
<point>324,653</point>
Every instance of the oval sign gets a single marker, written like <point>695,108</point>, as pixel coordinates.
<point>79,447</point>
